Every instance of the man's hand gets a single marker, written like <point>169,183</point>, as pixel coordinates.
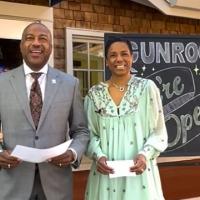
<point>63,160</point>
<point>7,161</point>
<point>102,166</point>
<point>140,164</point>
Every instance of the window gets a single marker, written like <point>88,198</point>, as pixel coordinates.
<point>85,57</point>
<point>10,56</point>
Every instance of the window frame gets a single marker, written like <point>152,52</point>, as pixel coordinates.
<point>77,33</point>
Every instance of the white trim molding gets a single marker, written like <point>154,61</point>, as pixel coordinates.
<point>178,8</point>
<point>25,11</point>
<point>14,17</point>
<point>191,4</point>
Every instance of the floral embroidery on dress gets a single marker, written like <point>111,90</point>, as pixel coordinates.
<point>104,104</point>
<point>99,97</point>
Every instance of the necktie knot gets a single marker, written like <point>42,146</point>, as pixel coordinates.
<point>35,76</point>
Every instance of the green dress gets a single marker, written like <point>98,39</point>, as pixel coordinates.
<point>120,133</point>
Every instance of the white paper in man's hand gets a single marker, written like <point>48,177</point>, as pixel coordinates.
<point>34,155</point>
<point>121,168</point>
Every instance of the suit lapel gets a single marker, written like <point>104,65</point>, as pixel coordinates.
<point>52,84</point>
<point>18,83</point>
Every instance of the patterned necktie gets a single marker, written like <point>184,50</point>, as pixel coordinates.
<point>35,99</point>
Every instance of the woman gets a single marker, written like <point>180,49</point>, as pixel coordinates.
<point>126,122</point>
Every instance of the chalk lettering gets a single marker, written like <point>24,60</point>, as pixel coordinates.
<point>174,52</point>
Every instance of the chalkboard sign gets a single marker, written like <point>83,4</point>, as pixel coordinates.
<point>173,63</point>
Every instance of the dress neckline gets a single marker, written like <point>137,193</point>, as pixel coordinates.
<point>106,84</point>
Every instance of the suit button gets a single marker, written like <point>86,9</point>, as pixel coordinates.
<point>36,137</point>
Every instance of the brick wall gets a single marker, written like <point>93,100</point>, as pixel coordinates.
<point>113,15</point>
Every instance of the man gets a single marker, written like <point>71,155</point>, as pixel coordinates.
<point>61,118</point>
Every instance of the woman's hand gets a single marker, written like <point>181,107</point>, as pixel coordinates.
<point>139,164</point>
<point>102,166</point>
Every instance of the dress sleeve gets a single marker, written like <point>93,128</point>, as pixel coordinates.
<point>94,148</point>
<point>157,139</point>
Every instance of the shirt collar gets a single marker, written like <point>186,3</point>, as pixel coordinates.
<point>28,70</point>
